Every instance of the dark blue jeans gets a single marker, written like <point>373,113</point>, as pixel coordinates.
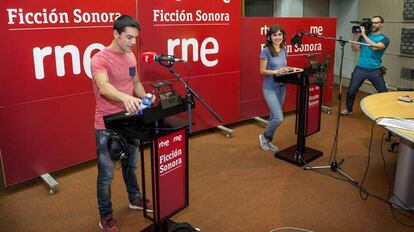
<point>106,172</point>
<point>358,77</point>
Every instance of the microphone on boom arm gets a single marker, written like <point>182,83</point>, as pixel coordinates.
<point>297,38</point>
<point>152,57</point>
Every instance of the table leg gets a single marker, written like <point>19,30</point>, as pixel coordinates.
<point>404,176</point>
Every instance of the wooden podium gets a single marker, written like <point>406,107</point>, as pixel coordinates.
<point>308,116</point>
<point>168,140</point>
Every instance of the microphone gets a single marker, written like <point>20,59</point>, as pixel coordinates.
<point>358,22</point>
<point>296,39</point>
<point>151,57</point>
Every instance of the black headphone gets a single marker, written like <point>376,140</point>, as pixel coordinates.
<point>182,227</point>
<point>268,38</point>
<point>118,148</point>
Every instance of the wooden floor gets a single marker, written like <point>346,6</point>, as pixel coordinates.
<point>235,186</point>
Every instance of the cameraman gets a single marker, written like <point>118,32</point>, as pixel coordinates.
<point>369,61</point>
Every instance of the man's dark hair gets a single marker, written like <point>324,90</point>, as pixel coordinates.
<point>380,17</point>
<point>124,21</point>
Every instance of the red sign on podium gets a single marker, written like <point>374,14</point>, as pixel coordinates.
<point>170,174</point>
<point>314,109</point>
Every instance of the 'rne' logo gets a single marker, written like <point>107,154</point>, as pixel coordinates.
<point>39,55</point>
<point>209,46</point>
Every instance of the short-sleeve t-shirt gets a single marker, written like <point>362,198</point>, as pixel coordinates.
<point>372,59</point>
<point>273,62</point>
<point>121,70</point>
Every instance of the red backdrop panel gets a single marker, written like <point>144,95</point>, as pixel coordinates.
<point>46,102</point>
<point>253,33</point>
<point>207,36</point>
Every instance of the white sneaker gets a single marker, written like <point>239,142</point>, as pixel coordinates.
<point>264,143</point>
<point>273,147</point>
<point>346,112</point>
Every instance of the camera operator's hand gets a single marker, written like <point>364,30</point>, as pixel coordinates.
<point>356,36</point>
<point>362,30</point>
<point>355,47</point>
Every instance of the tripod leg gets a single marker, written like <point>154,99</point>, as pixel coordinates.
<point>319,167</point>
<point>347,176</point>
<point>334,166</point>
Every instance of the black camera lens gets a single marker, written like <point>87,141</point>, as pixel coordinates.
<point>365,22</point>
<point>356,29</point>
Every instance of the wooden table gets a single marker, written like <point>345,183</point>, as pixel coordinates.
<point>387,105</point>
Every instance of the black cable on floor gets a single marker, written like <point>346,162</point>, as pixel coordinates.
<point>388,201</point>
<point>364,193</point>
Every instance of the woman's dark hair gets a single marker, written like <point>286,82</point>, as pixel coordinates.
<point>273,29</point>
<point>124,21</point>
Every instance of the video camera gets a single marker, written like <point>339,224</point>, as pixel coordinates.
<point>365,22</point>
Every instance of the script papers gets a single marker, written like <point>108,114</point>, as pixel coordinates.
<point>400,123</point>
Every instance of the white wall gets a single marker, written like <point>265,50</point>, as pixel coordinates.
<point>289,8</point>
<point>315,8</point>
<point>344,12</point>
<point>392,12</point>
<point>348,10</point>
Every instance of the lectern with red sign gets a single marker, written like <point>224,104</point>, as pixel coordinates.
<point>168,140</point>
<point>308,115</point>
<point>169,164</point>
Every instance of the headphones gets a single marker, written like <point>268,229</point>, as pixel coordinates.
<point>268,38</point>
<point>118,148</point>
<point>182,227</point>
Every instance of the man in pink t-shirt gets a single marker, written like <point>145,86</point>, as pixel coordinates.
<point>117,87</point>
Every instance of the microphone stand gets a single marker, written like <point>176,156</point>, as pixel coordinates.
<point>190,94</point>
<point>334,164</point>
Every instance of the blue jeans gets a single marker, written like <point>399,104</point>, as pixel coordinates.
<point>106,172</point>
<point>358,77</point>
<point>274,95</point>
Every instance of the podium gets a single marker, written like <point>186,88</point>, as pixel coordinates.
<point>168,140</point>
<point>308,115</point>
